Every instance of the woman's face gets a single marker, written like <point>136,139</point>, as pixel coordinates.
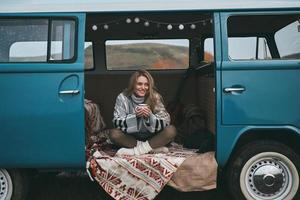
<point>141,86</point>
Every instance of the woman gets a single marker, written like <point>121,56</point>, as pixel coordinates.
<point>140,118</point>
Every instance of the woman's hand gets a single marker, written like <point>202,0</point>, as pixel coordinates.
<point>143,111</point>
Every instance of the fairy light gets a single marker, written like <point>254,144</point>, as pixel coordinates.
<point>136,20</point>
<point>105,26</point>
<point>146,23</point>
<point>128,20</point>
<point>181,27</point>
<point>94,27</point>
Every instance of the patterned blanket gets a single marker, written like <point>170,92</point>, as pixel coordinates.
<point>143,177</point>
<point>133,177</point>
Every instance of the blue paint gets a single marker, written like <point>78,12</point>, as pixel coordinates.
<point>39,127</point>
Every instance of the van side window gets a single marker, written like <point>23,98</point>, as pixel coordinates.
<point>23,40</point>
<point>248,48</point>
<point>150,54</point>
<point>263,37</point>
<point>62,40</point>
<point>288,41</point>
<point>234,43</point>
<point>209,49</point>
<point>88,56</point>
<point>27,40</point>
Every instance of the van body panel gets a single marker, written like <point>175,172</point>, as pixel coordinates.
<point>270,99</point>
<point>41,128</point>
<point>232,134</point>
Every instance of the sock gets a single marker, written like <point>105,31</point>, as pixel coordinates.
<point>161,150</point>
<point>141,148</point>
<point>125,151</point>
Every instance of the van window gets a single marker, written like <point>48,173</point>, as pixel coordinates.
<point>248,48</point>
<point>27,40</point>
<point>62,40</point>
<point>251,37</point>
<point>148,54</point>
<point>288,41</point>
<point>209,49</point>
<point>88,56</point>
<point>235,44</point>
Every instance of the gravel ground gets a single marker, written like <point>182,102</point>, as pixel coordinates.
<point>66,187</point>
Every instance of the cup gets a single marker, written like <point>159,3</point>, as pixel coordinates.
<point>142,105</point>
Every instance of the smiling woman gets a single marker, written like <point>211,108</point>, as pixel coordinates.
<point>139,128</point>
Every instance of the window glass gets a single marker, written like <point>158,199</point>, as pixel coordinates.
<point>147,54</point>
<point>23,40</point>
<point>250,37</point>
<point>62,40</point>
<point>235,44</point>
<point>26,40</point>
<point>209,49</point>
<point>248,48</point>
<point>88,55</point>
<point>288,41</point>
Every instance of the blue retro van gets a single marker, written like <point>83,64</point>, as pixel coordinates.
<point>245,57</point>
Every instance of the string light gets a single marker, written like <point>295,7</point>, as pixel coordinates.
<point>146,22</point>
<point>136,20</point>
<point>94,27</point>
<point>169,27</point>
<point>181,27</point>
<point>105,26</point>
<point>128,20</point>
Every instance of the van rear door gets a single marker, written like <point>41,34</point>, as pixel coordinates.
<point>41,84</point>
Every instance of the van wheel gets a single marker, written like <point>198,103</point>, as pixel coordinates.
<point>264,170</point>
<point>13,184</point>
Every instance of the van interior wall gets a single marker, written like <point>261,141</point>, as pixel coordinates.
<point>104,88</point>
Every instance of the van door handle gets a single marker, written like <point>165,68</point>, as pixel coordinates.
<point>74,92</point>
<point>234,90</point>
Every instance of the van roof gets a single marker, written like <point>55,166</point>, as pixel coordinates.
<point>30,6</point>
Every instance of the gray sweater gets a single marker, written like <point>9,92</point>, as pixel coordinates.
<point>126,120</point>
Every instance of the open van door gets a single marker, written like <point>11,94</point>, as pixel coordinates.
<point>260,104</point>
<point>42,88</point>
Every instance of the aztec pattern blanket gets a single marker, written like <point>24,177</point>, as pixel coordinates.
<point>133,177</point>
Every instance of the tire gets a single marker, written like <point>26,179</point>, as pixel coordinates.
<point>13,184</point>
<point>264,170</point>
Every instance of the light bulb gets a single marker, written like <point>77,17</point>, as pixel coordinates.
<point>181,27</point>
<point>193,26</point>
<point>136,20</point>
<point>146,23</point>
<point>128,20</point>
<point>105,26</point>
<point>169,27</point>
<point>94,27</point>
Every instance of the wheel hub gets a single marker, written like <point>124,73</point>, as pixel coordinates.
<point>3,186</point>
<point>267,178</point>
